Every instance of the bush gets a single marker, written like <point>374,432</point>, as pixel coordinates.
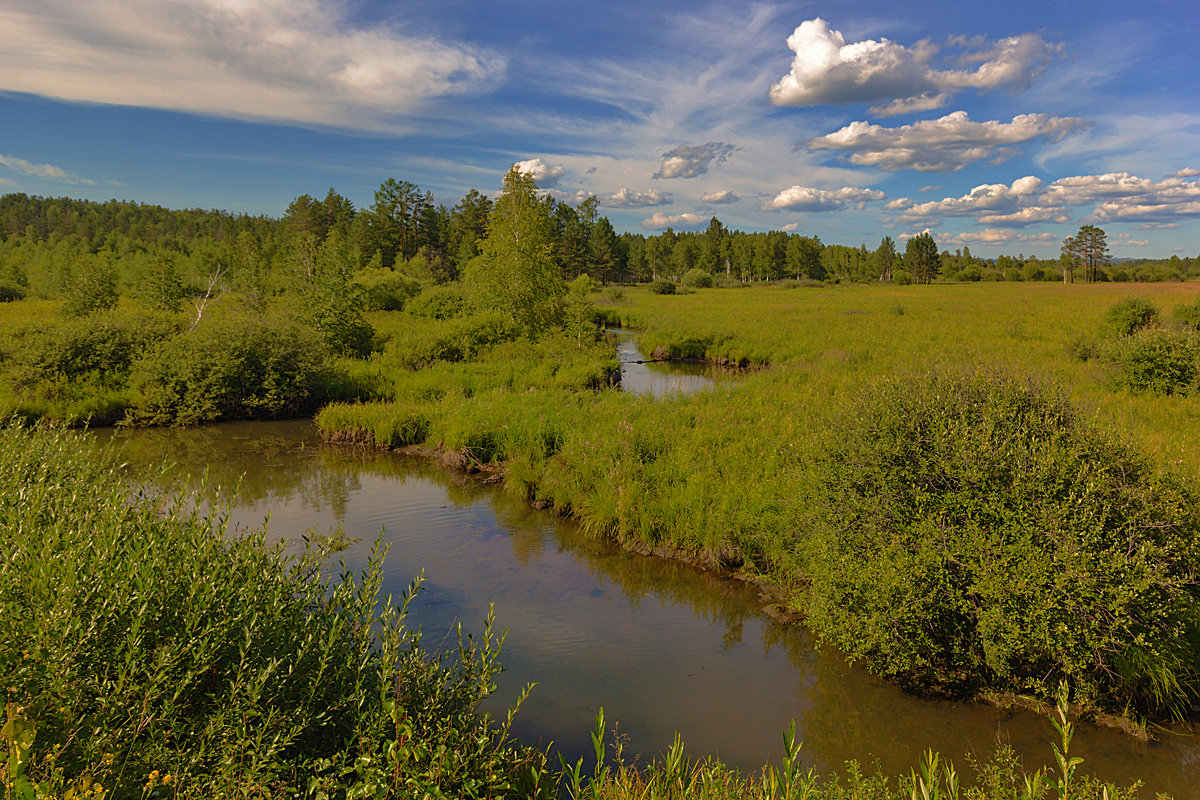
<point>1126,317</point>
<point>235,369</point>
<point>1188,315</point>
<point>698,279</point>
<point>439,302</point>
<point>901,278</point>
<point>380,289</point>
<point>10,292</point>
<point>975,531</point>
<point>143,638</point>
<point>662,286</point>
<point>105,344</point>
<point>1082,347</point>
<point>1158,360</point>
<point>456,339</point>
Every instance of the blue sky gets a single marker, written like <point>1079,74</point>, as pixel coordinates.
<point>1002,127</point>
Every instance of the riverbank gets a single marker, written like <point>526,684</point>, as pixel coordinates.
<point>131,536</point>
<point>740,476</point>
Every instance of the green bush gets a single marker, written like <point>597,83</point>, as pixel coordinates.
<point>146,647</point>
<point>454,339</point>
<point>662,286</point>
<point>105,344</point>
<point>975,531</point>
<point>1188,315</point>
<point>697,278</point>
<point>439,302</point>
<point>1158,360</point>
<point>901,278</point>
<point>232,369</point>
<point>380,289</point>
<point>1126,317</point>
<point>10,292</point>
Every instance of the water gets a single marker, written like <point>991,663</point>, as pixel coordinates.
<point>661,646</point>
<point>657,379</point>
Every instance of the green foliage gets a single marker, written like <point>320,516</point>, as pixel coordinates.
<point>10,291</point>
<point>453,339</point>
<point>1129,315</point>
<point>384,290</point>
<point>147,651</point>
<point>439,302</point>
<point>106,344</point>
<point>698,279</point>
<point>89,286</point>
<point>251,368</point>
<point>901,278</point>
<point>579,312</point>
<point>1188,315</point>
<point>973,530</point>
<point>159,287</point>
<point>662,286</point>
<point>1158,360</point>
<point>515,271</point>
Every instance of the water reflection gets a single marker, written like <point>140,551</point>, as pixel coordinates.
<point>661,646</point>
<point>657,379</point>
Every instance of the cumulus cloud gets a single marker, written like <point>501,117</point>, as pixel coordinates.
<point>994,236</point>
<point>826,70</point>
<point>660,221</point>
<point>719,198</point>
<point>1186,172</point>
<point>45,172</point>
<point>298,61</point>
<point>628,198</point>
<point>992,198</point>
<point>946,144</point>
<point>1113,197</point>
<point>546,175</point>
<point>808,198</point>
<point>691,162</point>
<point>790,227</point>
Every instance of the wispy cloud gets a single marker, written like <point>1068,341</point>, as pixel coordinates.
<point>297,61</point>
<point>720,197</point>
<point>45,172</point>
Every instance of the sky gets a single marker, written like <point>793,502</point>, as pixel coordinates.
<point>1002,127</point>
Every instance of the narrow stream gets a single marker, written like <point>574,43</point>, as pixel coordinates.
<point>641,375</point>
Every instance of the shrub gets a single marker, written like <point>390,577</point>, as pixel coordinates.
<point>10,292</point>
<point>1082,347</point>
<point>1158,360</point>
<point>901,278</point>
<point>104,344</point>
<point>662,286</point>
<point>455,339</point>
<point>380,289</point>
<point>1188,315</point>
<point>232,369</point>
<point>974,530</point>
<point>1126,317</point>
<point>439,302</point>
<point>143,638</point>
<point>698,279</point>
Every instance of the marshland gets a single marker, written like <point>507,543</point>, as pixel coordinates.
<point>955,516</point>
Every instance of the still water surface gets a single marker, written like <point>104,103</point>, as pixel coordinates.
<point>661,646</point>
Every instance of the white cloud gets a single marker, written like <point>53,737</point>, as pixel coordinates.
<point>1026,216</point>
<point>941,145</point>
<point>1121,197</point>
<point>994,236</point>
<point>628,198</point>
<point>995,198</point>
<point>929,189</point>
<point>545,175</point>
<point>1186,172</point>
<point>296,61</point>
<point>660,221</point>
<point>808,198</point>
<point>791,226</point>
<point>720,197</point>
<point>46,172</point>
<point>828,71</point>
<point>690,162</point>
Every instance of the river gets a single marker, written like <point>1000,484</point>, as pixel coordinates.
<point>663,647</point>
